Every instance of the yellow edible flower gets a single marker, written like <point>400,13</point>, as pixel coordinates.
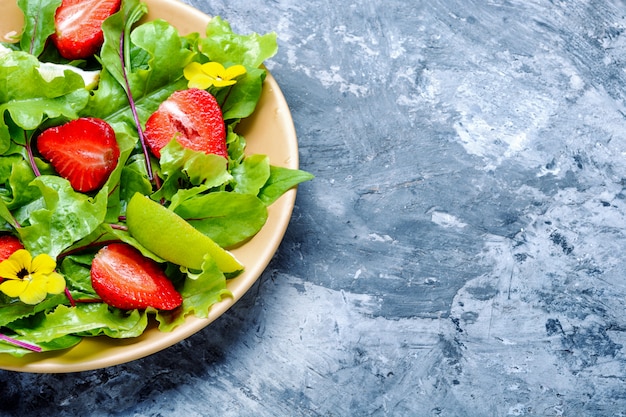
<point>30,279</point>
<point>212,74</point>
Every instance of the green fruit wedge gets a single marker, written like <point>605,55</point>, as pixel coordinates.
<point>169,236</point>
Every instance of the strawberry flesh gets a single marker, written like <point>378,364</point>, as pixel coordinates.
<point>191,116</point>
<point>126,279</point>
<point>8,245</point>
<point>78,26</point>
<point>83,151</point>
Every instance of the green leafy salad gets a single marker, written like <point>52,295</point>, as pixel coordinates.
<point>140,64</point>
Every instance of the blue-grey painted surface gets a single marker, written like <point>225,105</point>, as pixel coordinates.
<point>460,252</point>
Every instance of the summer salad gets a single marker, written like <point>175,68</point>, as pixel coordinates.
<point>123,181</point>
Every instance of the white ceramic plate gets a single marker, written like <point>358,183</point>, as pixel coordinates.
<point>268,131</point>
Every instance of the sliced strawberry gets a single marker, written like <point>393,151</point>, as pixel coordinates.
<point>126,279</point>
<point>83,151</point>
<point>78,26</point>
<point>191,116</point>
<point>8,245</point>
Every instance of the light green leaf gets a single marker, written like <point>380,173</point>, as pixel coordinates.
<point>223,45</point>
<point>199,292</point>
<point>66,216</point>
<point>252,174</point>
<point>280,181</point>
<point>227,218</point>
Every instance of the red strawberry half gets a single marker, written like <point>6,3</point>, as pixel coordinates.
<point>126,279</point>
<point>191,116</point>
<point>78,26</point>
<point>8,245</point>
<point>83,151</point>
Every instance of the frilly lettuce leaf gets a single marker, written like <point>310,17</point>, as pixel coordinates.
<point>90,319</point>
<point>64,216</point>
<point>223,45</point>
<point>199,291</point>
<point>29,104</point>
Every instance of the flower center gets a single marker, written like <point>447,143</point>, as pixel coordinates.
<point>23,273</point>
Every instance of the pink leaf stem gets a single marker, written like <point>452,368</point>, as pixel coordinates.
<point>19,343</point>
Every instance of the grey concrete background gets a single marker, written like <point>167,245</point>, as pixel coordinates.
<point>460,252</point>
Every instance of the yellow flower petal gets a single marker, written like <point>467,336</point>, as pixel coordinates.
<point>43,264</point>
<point>13,287</point>
<point>34,292</point>
<point>213,69</point>
<point>200,81</point>
<point>18,261</point>
<point>223,83</point>
<point>23,258</point>
<point>192,70</point>
<point>55,284</point>
<point>212,73</point>
<point>234,71</point>
<point>9,269</point>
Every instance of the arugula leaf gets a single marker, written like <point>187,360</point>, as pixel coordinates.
<point>227,218</point>
<point>280,180</point>
<point>38,24</point>
<point>63,342</point>
<point>252,174</point>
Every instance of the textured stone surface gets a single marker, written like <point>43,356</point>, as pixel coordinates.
<point>460,251</point>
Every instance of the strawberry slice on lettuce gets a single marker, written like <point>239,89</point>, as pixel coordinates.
<point>83,151</point>
<point>78,26</point>
<point>194,118</point>
<point>125,279</point>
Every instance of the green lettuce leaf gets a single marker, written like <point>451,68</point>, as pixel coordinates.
<point>64,217</point>
<point>90,319</point>
<point>30,103</point>
<point>227,218</point>
<point>200,291</point>
<point>280,181</point>
<point>154,58</point>
<point>252,174</point>
<point>200,168</point>
<point>223,45</point>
